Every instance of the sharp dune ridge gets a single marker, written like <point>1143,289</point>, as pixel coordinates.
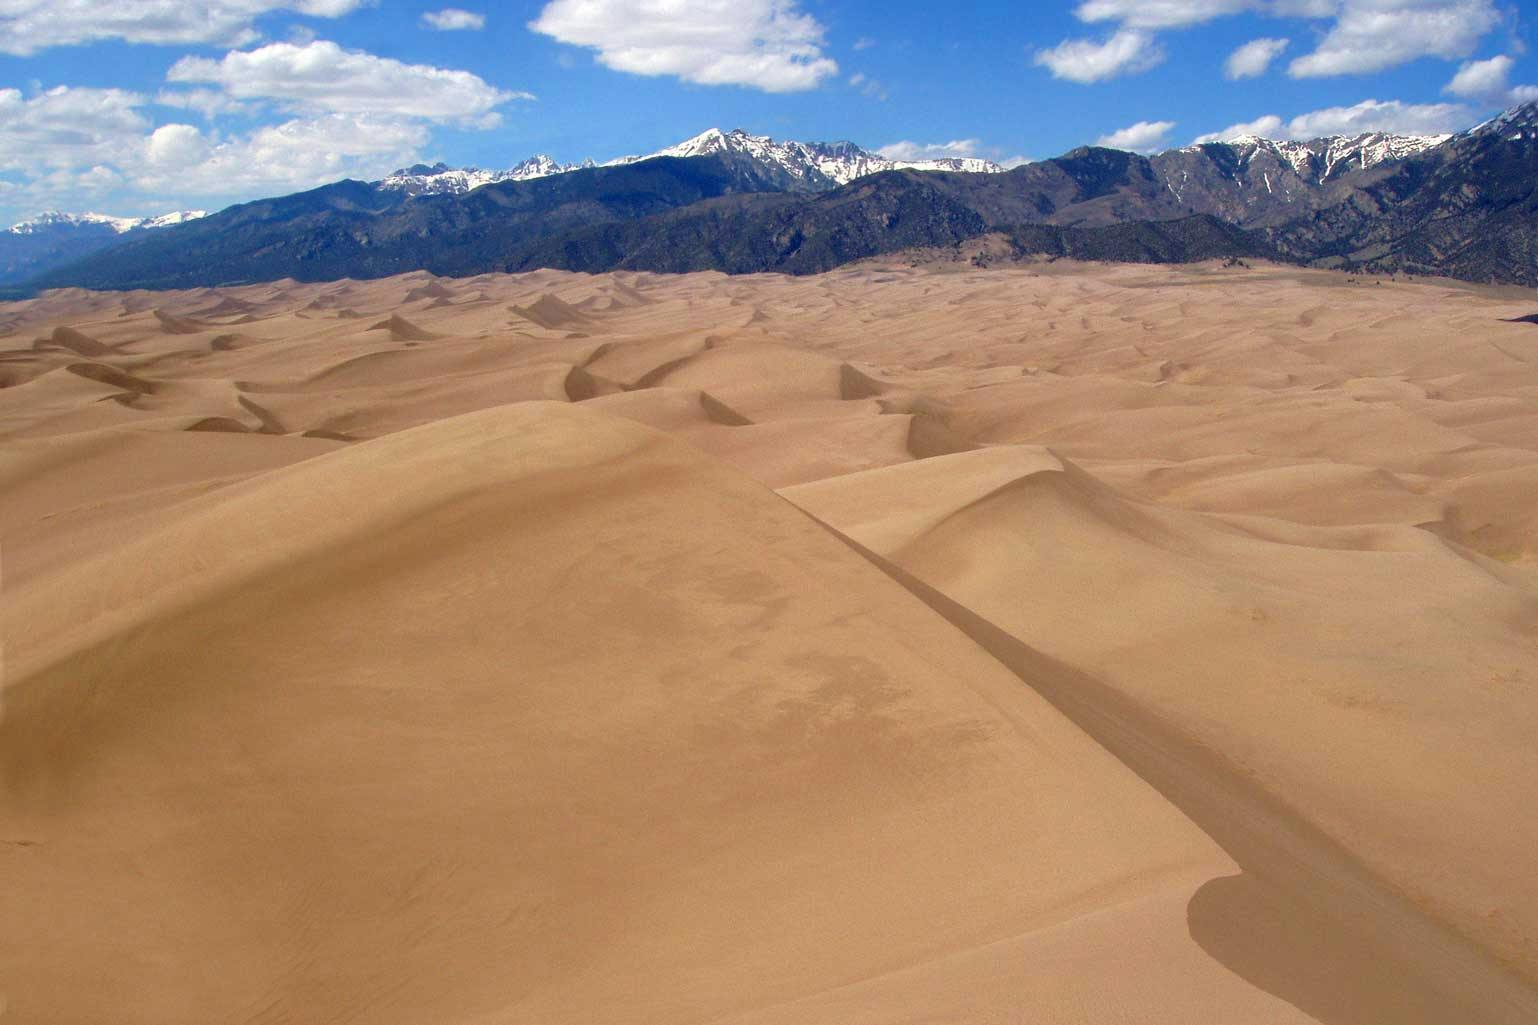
<point>905,644</point>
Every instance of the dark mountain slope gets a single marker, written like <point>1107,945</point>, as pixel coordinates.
<point>352,229</point>
<point>23,256</point>
<point>878,214</point>
<point>1466,207</point>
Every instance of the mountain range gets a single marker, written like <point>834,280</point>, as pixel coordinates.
<point>799,166</point>
<point>1464,205</point>
<point>54,238</point>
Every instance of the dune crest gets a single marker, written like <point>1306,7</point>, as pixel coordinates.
<point>402,330</point>
<point>902,645</point>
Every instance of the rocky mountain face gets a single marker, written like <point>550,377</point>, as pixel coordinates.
<point>1465,206</point>
<point>53,239</point>
<point>441,179</point>
<point>792,166</point>
<point>814,166</point>
<point>354,229</point>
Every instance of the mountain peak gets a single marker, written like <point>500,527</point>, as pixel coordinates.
<point>800,166</point>
<point>59,220</point>
<point>1329,156</point>
<point>1516,122</point>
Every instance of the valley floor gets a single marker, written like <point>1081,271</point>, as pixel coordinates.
<point>1054,644</point>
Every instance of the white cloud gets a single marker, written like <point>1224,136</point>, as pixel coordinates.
<point>1368,116</point>
<point>1487,82</point>
<point>210,103</point>
<point>763,44</point>
<point>1385,116</point>
<point>1363,35</point>
<point>175,146</point>
<point>322,77</point>
<point>868,86</point>
<point>296,154</point>
<point>27,26</point>
<point>1370,35</point>
<point>452,19</point>
<point>930,150</point>
<point>353,115</point>
<point>1127,52</point>
<point>66,128</point>
<point>1479,79</point>
<point>1267,127</point>
<point>1143,137</point>
<point>1158,13</point>
<point>1253,58</point>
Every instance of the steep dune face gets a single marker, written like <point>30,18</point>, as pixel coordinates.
<point>1351,683</point>
<point>1137,644</point>
<point>535,715</point>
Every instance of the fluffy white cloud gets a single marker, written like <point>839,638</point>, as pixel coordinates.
<point>322,77</point>
<point>1143,137</point>
<point>1253,58</point>
<point>1381,116</point>
<point>452,19</point>
<point>27,26</point>
<point>210,103</point>
<point>1367,116</point>
<point>1363,35</point>
<point>175,146</point>
<point>931,150</point>
<point>1268,126</point>
<point>66,128</point>
<point>1127,52</point>
<point>352,115</point>
<point>1158,13</point>
<point>1370,35</point>
<point>1479,79</point>
<point>1488,82</point>
<point>763,44</point>
<point>296,154</point>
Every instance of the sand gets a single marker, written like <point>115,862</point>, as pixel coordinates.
<point>1060,644</point>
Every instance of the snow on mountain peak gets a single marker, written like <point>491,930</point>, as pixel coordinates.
<point>1324,158</point>
<point>437,179</point>
<point>54,219</point>
<point>821,163</point>
<point>818,164</point>
<point>1516,123</point>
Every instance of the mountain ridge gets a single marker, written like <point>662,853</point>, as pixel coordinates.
<point>55,238</point>
<point>807,166</point>
<point>740,203</point>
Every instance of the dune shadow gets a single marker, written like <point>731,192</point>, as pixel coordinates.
<point>1336,970</point>
<point>1303,921</point>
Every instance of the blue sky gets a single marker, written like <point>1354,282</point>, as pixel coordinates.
<point>141,106</point>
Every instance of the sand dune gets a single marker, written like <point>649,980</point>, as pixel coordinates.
<point>1122,644</point>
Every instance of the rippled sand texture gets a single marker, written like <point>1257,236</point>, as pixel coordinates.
<point>901,645</point>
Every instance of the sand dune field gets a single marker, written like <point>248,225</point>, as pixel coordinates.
<point>906,645</point>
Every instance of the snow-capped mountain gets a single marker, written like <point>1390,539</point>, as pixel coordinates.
<point>809,166</point>
<point>54,238</point>
<point>1514,125</point>
<point>1259,181</point>
<point>819,163</point>
<point>54,220</point>
<point>1323,159</point>
<point>438,179</point>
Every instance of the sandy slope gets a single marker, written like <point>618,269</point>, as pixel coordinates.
<point>1135,645</point>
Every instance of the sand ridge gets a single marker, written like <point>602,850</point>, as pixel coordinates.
<point>1063,644</point>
